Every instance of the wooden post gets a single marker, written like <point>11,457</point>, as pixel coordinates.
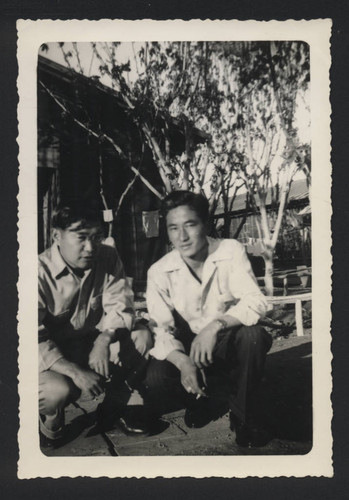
<point>297,301</point>
<point>299,318</point>
<point>135,241</point>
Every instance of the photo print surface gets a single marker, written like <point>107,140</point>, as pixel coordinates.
<point>181,331</point>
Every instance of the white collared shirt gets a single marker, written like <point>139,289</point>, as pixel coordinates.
<point>228,287</point>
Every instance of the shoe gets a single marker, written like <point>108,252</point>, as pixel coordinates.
<point>249,433</point>
<point>132,420</point>
<point>49,438</point>
<point>197,414</point>
<point>50,444</point>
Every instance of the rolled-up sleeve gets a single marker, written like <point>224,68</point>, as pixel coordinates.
<point>117,299</point>
<point>252,304</point>
<point>161,318</point>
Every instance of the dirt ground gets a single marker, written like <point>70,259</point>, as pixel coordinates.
<point>285,407</point>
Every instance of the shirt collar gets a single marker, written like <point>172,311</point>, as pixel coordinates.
<point>59,267</point>
<point>216,251</point>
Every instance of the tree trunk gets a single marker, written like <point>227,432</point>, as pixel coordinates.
<point>164,170</point>
<point>269,267</point>
<point>241,225</point>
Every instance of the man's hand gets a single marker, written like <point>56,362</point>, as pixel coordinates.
<point>99,355</point>
<point>88,382</point>
<point>201,351</point>
<point>189,377</point>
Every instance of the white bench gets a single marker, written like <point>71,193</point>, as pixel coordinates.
<point>293,299</point>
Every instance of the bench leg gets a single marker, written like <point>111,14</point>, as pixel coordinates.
<point>299,318</point>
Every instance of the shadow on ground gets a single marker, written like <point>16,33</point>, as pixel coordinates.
<point>285,396</point>
<point>285,407</point>
<point>286,393</point>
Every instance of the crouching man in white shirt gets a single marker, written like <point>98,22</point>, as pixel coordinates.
<point>204,305</point>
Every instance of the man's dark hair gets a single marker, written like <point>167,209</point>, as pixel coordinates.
<point>196,202</point>
<point>64,216</point>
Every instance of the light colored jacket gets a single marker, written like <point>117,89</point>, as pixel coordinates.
<point>228,287</point>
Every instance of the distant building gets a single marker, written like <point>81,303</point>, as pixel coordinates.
<point>72,163</point>
<point>294,243</point>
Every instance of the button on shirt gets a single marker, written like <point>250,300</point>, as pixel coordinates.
<point>228,287</point>
<point>69,305</point>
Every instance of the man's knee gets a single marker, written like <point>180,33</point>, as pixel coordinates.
<point>254,335</point>
<point>161,375</point>
<point>55,392</point>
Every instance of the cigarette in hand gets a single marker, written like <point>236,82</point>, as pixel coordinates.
<point>198,396</point>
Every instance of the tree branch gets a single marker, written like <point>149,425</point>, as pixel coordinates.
<point>75,46</point>
<point>283,198</point>
<point>100,137</point>
<point>128,187</point>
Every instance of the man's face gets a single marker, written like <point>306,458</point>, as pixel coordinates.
<point>79,246</point>
<point>186,231</point>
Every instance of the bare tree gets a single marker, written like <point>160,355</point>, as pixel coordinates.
<point>171,84</point>
<point>243,95</point>
<point>268,77</point>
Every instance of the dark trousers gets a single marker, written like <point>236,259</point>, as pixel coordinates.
<point>56,391</point>
<point>239,356</point>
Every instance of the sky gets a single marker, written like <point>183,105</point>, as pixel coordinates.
<point>89,62</point>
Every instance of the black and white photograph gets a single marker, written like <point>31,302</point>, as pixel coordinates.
<point>174,199</point>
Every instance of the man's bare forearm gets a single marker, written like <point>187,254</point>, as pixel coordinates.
<point>65,367</point>
<point>111,335</point>
<point>85,379</point>
<point>107,337</point>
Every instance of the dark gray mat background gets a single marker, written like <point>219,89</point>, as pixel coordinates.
<point>286,488</point>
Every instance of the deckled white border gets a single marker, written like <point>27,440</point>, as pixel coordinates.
<point>32,463</point>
